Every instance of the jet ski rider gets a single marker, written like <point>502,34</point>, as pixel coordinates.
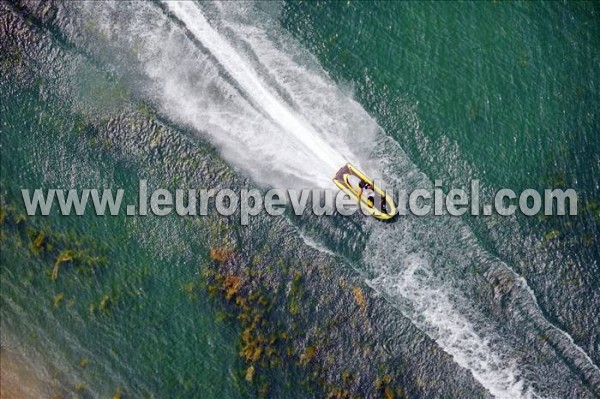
<point>367,189</point>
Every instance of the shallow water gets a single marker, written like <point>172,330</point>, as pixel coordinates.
<point>272,95</point>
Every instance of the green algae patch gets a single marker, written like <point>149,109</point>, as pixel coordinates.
<point>51,246</point>
<point>105,303</point>
<point>58,299</point>
<point>551,235</point>
<point>48,252</point>
<point>84,362</point>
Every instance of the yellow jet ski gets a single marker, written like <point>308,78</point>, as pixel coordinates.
<point>353,182</point>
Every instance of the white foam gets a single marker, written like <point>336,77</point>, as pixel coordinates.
<point>413,288</point>
<point>231,94</point>
<point>259,132</point>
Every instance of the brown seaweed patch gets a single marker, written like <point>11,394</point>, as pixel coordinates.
<point>39,243</point>
<point>58,299</point>
<point>308,355</point>
<point>48,245</point>
<point>385,387</point>
<point>258,345</point>
<point>249,373</point>
<point>221,254</point>
<point>64,256</point>
<point>359,297</point>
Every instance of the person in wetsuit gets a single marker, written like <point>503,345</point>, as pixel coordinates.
<point>367,189</point>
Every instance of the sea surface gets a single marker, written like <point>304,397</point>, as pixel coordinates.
<point>280,95</point>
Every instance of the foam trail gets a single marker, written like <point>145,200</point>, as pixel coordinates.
<point>415,291</point>
<point>312,143</point>
<point>420,265</point>
<point>281,123</point>
<point>277,142</point>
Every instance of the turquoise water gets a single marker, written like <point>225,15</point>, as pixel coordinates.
<point>506,93</point>
<point>100,95</point>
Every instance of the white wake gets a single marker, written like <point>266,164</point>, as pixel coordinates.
<point>273,113</point>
